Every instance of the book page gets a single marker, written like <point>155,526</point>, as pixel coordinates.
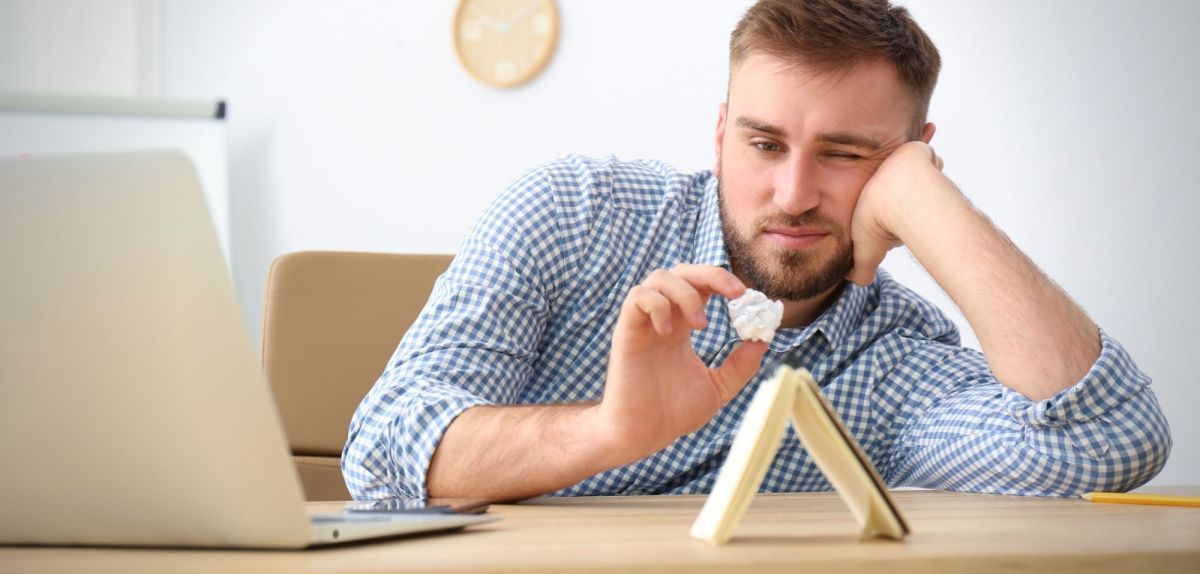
<point>793,394</point>
<point>753,449</point>
<point>842,461</point>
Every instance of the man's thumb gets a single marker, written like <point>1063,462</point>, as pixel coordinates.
<point>739,367</point>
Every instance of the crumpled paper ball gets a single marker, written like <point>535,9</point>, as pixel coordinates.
<point>755,317</point>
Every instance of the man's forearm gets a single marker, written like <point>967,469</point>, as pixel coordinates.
<point>1036,340</point>
<point>517,452</point>
<point>656,389</point>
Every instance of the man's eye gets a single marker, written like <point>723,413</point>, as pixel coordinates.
<point>843,155</point>
<point>767,146</point>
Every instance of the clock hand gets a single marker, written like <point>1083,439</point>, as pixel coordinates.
<point>520,13</point>
<point>491,22</point>
<point>495,25</point>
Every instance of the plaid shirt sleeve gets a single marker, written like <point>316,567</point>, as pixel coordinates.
<point>543,262</point>
<point>474,343</point>
<point>1106,432</point>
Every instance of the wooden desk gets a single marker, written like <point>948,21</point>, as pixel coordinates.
<point>792,533</point>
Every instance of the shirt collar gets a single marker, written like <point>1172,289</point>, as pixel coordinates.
<point>843,316</point>
<point>835,324</point>
<point>710,242</point>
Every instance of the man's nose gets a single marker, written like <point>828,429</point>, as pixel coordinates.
<point>796,188</point>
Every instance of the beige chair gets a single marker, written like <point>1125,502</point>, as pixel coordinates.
<point>331,322</point>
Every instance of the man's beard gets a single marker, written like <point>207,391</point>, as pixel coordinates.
<point>787,274</point>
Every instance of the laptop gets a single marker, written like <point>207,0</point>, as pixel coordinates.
<point>132,406</point>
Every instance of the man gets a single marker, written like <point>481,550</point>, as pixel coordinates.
<point>580,342</point>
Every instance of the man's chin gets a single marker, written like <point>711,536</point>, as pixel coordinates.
<point>791,275</point>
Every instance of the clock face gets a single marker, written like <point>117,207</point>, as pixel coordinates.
<point>505,43</point>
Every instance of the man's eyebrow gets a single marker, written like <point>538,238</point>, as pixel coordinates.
<point>839,138</point>
<point>851,140</point>
<point>753,124</point>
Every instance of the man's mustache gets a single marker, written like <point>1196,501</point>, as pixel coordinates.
<point>806,219</point>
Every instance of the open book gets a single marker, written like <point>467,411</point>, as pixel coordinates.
<point>793,394</point>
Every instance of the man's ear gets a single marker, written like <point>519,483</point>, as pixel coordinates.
<point>720,136</point>
<point>927,132</point>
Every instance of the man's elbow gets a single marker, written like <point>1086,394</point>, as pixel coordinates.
<point>368,474</point>
<point>1135,457</point>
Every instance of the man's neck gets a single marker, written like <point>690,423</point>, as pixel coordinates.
<point>803,312</point>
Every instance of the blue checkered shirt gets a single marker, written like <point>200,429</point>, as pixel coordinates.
<point>526,311</point>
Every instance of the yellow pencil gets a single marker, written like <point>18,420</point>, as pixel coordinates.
<point>1136,498</point>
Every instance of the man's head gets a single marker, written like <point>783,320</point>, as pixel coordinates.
<point>833,36</point>
<point>820,93</point>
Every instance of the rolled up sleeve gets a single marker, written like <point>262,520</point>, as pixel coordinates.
<point>1106,432</point>
<point>474,343</point>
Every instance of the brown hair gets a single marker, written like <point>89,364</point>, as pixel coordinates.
<point>835,35</point>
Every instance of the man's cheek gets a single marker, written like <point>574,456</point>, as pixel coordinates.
<point>862,172</point>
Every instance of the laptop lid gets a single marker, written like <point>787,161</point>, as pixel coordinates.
<point>132,410</point>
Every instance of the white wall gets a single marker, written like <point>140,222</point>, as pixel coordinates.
<point>352,126</point>
<point>77,46</point>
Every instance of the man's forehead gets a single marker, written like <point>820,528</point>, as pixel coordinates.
<point>771,95</point>
<point>758,65</point>
<point>758,61</point>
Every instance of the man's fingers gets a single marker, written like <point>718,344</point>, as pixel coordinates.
<point>653,305</point>
<point>934,158</point>
<point>681,294</point>
<point>867,259</point>
<point>688,287</point>
<point>684,289</point>
<point>738,368</point>
<point>709,279</point>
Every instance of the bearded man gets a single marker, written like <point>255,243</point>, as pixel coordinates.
<point>580,343</point>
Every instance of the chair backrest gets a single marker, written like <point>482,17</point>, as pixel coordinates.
<point>331,322</point>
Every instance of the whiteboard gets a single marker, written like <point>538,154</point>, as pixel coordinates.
<point>37,126</point>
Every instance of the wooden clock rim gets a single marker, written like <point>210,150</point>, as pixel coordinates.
<point>534,70</point>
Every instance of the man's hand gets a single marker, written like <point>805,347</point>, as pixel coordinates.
<point>657,388</point>
<point>912,170</point>
<point>1036,340</point>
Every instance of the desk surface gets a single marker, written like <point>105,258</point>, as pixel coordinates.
<point>809,533</point>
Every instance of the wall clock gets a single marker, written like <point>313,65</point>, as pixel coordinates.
<point>505,43</point>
